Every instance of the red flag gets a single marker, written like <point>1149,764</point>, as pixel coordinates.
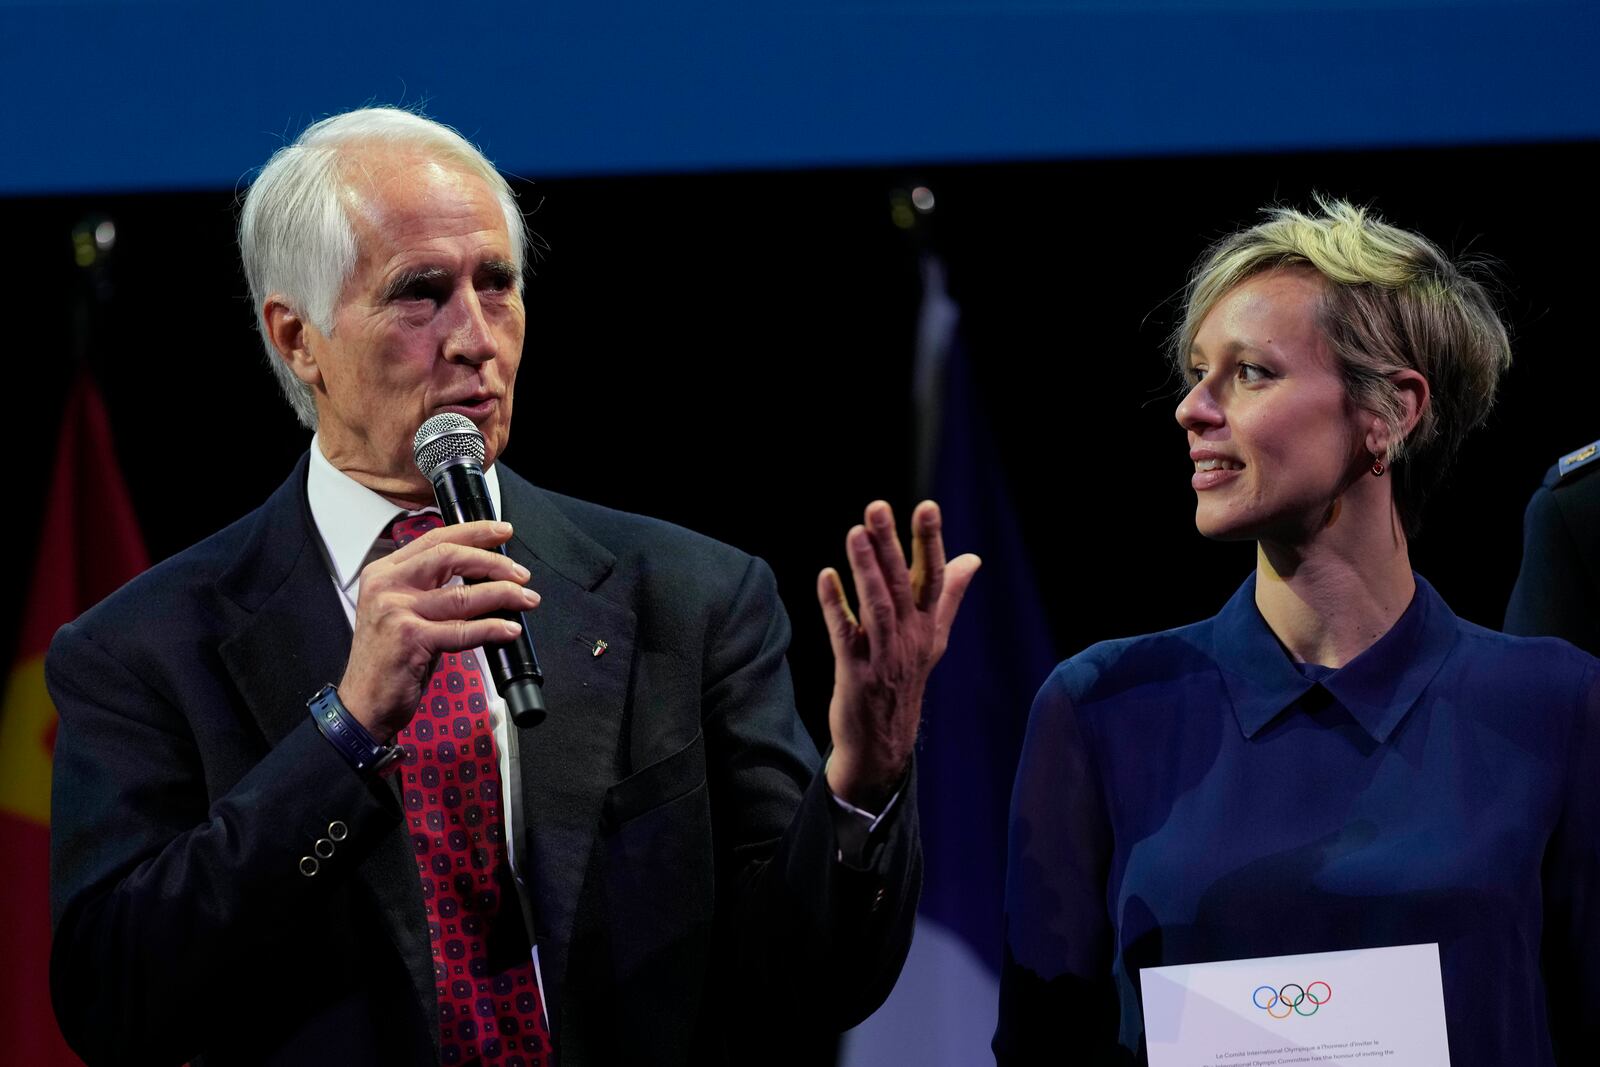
<point>89,546</point>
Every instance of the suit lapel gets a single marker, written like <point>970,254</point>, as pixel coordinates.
<point>295,639</point>
<point>571,759</point>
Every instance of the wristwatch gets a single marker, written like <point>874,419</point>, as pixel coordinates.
<point>349,736</point>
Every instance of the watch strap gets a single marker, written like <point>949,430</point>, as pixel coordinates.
<point>349,736</point>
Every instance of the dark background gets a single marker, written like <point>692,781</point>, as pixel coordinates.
<point>733,352</point>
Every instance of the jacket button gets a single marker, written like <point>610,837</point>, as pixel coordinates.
<point>338,831</point>
<point>323,847</point>
<point>308,865</point>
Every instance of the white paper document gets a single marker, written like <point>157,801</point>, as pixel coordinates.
<point>1359,1007</point>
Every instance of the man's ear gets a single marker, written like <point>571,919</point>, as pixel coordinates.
<point>1411,389</point>
<point>290,334</point>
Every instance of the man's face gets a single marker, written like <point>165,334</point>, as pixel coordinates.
<point>431,319</point>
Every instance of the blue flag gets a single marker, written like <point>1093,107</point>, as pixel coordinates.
<point>944,1008</point>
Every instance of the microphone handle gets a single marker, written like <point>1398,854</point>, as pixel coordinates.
<point>463,496</point>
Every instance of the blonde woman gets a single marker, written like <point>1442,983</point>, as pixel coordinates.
<point>1334,760</point>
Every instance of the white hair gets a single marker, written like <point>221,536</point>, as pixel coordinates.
<point>295,237</point>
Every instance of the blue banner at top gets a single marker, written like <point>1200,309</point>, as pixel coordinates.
<point>161,94</point>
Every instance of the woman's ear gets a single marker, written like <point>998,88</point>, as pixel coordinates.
<point>1411,390</point>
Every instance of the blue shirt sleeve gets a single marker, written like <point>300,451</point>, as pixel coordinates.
<point>1058,999</point>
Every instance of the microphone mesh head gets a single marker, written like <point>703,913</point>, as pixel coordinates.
<point>445,437</point>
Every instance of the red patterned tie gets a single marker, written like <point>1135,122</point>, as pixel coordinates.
<point>489,1009</point>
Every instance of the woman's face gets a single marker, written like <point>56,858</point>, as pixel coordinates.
<point>1273,436</point>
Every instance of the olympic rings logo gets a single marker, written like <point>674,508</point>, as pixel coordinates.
<point>1292,998</point>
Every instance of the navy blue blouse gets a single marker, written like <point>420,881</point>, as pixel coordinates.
<point>1191,796</point>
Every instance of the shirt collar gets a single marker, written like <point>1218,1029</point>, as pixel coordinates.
<point>351,518</point>
<point>1378,687</point>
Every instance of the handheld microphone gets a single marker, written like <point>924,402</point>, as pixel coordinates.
<point>449,453</point>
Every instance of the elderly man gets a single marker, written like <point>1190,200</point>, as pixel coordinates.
<point>659,873</point>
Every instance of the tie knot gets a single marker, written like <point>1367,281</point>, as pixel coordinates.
<point>407,528</point>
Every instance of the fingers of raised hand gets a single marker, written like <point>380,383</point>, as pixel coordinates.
<point>927,555</point>
<point>958,576</point>
<point>836,613</point>
<point>872,591</point>
<point>890,556</point>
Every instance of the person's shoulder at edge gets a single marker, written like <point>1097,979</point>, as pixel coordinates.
<point>1571,478</point>
<point>1574,468</point>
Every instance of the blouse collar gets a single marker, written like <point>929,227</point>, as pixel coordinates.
<point>1378,687</point>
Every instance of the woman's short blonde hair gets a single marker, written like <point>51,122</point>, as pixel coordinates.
<point>1394,301</point>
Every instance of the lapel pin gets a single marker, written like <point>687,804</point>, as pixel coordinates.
<point>599,648</point>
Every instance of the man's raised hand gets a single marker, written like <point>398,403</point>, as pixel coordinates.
<point>881,661</point>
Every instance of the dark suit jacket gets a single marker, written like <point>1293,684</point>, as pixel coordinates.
<point>1558,588</point>
<point>676,837</point>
